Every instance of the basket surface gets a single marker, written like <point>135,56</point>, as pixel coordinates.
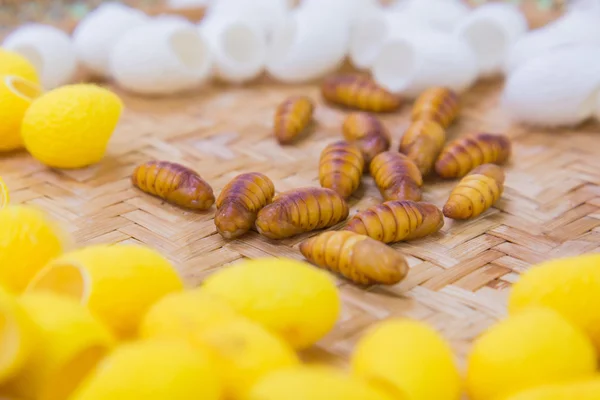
<point>459,278</point>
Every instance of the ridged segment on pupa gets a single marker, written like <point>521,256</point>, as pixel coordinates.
<point>491,30</point>
<point>356,257</point>
<point>422,142</point>
<point>558,88</point>
<point>579,26</point>
<point>165,56</point>
<point>358,92</point>
<point>174,183</point>
<point>396,176</point>
<point>341,167</point>
<point>49,49</point>
<point>398,220</point>
<point>367,132</point>
<point>420,60</point>
<point>292,118</point>
<point>475,193</point>
<point>99,31</point>
<point>437,103</point>
<point>301,210</point>
<point>460,156</point>
<point>239,203</point>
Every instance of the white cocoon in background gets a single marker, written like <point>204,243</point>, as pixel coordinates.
<point>559,88</point>
<point>369,34</point>
<point>267,14</point>
<point>238,46</point>
<point>97,33</point>
<point>307,46</point>
<point>181,4</point>
<point>442,14</point>
<point>162,57</point>
<point>577,26</point>
<point>586,5</point>
<point>411,64</point>
<point>491,30</point>
<point>350,10</point>
<point>49,49</point>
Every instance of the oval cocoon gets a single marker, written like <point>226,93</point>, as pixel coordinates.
<point>570,286</point>
<point>579,390</point>
<point>184,314</point>
<point>19,336</point>
<point>491,30</point>
<point>152,370</point>
<point>118,283</point>
<point>558,88</point>
<point>308,45</point>
<point>405,357</point>
<point>71,342</point>
<point>70,126</point>
<point>49,49</point>
<point>372,31</point>
<point>315,383</point>
<point>244,352</point>
<point>290,298</point>
<point>29,239</point>
<point>534,347</point>
<point>4,194</point>
<point>238,46</point>
<point>165,56</point>
<point>266,14</point>
<point>12,63</point>
<point>16,95</point>
<point>445,15</point>
<point>578,26</point>
<point>414,62</point>
<point>98,32</point>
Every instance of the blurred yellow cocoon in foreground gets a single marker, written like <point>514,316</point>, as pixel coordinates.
<point>19,336</point>
<point>4,194</point>
<point>152,370</point>
<point>118,283</point>
<point>16,95</point>
<point>29,238</point>
<point>71,342</point>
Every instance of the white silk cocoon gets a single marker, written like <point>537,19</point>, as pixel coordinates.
<point>577,26</point>
<point>49,49</point>
<point>597,109</point>
<point>267,14</point>
<point>182,4</point>
<point>351,11</point>
<point>238,45</point>
<point>559,88</point>
<point>442,14</point>
<point>307,46</point>
<point>491,30</point>
<point>162,57</point>
<point>368,36</point>
<point>413,63</point>
<point>99,31</point>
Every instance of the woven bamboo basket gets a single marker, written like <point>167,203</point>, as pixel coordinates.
<point>459,277</point>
